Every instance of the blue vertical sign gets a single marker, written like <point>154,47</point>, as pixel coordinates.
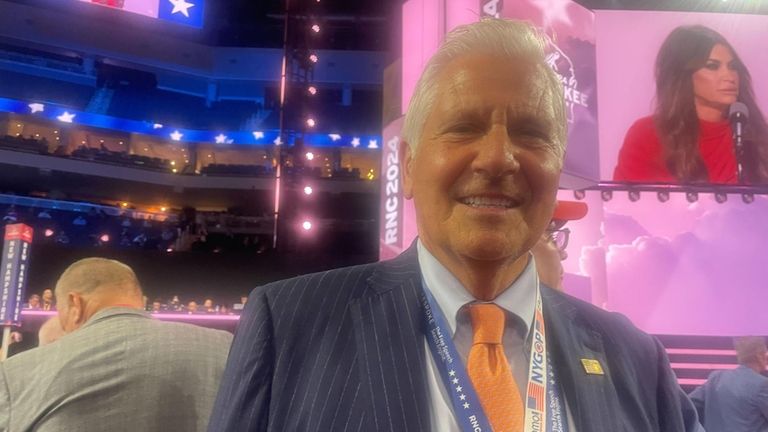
<point>14,267</point>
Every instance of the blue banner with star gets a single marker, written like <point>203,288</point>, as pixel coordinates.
<point>187,12</point>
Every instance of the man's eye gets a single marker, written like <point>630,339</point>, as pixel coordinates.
<point>463,128</point>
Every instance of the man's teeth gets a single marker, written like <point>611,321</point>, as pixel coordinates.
<point>488,202</point>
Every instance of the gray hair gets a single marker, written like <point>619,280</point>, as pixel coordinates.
<point>749,348</point>
<point>510,39</point>
<point>91,274</point>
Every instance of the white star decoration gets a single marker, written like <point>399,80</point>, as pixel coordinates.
<point>36,107</point>
<point>181,6</point>
<point>176,135</point>
<point>459,388</point>
<point>334,137</point>
<point>356,142</point>
<point>466,405</point>
<point>278,141</point>
<point>157,126</point>
<point>462,396</point>
<point>455,380</point>
<point>373,144</point>
<point>66,117</point>
<point>452,372</point>
<point>221,139</point>
<point>258,135</point>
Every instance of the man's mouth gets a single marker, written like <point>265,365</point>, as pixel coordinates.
<point>489,202</point>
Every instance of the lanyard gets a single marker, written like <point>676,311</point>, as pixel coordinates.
<point>542,404</point>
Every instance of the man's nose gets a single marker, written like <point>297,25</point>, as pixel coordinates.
<point>497,155</point>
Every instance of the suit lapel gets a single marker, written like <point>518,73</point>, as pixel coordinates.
<point>590,397</point>
<point>390,344</point>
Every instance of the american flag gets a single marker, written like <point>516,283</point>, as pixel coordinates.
<point>535,397</point>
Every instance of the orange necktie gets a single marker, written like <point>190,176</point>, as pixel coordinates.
<point>489,370</point>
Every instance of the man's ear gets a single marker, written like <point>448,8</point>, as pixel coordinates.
<point>406,161</point>
<point>76,309</point>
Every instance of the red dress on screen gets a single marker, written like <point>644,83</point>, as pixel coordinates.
<point>641,157</point>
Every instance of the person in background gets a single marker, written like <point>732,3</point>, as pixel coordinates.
<point>116,368</point>
<point>48,300</point>
<point>50,331</point>
<point>208,306</point>
<point>689,138</point>
<point>437,338</point>
<point>157,305</point>
<point>549,252</point>
<point>736,400</point>
<point>192,307</point>
<point>33,302</point>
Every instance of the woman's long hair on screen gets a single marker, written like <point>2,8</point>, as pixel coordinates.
<point>685,51</point>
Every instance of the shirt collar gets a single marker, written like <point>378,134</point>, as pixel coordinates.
<point>519,298</point>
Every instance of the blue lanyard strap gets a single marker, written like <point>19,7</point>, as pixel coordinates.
<point>543,406</point>
<point>466,405</point>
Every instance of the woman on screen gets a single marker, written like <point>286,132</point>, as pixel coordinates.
<point>689,138</point>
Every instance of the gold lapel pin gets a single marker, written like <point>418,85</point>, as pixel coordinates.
<point>592,367</point>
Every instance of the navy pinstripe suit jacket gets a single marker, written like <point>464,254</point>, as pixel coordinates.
<point>344,350</point>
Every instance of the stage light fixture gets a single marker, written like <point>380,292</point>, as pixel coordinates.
<point>124,204</point>
<point>663,196</point>
<point>307,190</point>
<point>313,58</point>
<point>316,28</point>
<point>692,197</point>
<point>721,197</point>
<point>306,225</point>
<point>309,155</point>
<point>49,232</point>
<point>606,195</point>
<point>748,198</point>
<point>104,238</point>
<point>633,196</point>
<point>312,90</point>
<point>163,209</point>
<point>311,122</point>
<point>579,194</point>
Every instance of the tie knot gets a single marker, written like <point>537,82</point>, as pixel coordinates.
<point>487,323</point>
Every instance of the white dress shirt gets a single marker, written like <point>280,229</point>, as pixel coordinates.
<point>518,302</point>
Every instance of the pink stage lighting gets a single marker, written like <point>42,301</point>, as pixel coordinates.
<point>316,28</point>
<point>307,190</point>
<point>311,122</point>
<point>104,238</point>
<point>310,155</point>
<point>312,90</point>
<point>49,232</point>
<point>313,58</point>
<point>306,225</point>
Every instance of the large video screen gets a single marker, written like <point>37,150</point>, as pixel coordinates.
<point>674,267</point>
<point>187,12</point>
<point>667,82</point>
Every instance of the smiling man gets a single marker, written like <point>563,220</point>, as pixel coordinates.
<point>455,334</point>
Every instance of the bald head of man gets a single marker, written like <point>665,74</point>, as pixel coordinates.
<point>91,285</point>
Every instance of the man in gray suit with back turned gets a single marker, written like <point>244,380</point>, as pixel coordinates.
<point>116,369</point>
<point>736,400</point>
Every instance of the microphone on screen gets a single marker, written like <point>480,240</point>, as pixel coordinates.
<point>738,113</point>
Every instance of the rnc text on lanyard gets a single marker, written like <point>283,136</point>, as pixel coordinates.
<point>544,410</point>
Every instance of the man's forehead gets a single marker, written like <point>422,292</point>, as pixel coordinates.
<point>482,80</point>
